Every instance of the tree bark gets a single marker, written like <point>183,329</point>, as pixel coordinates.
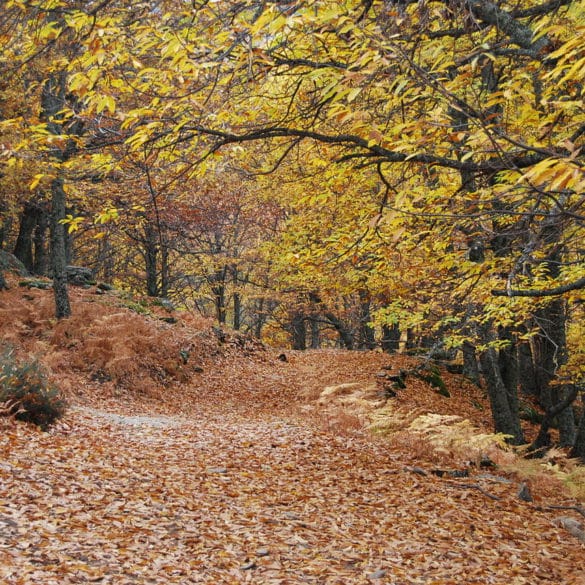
<point>470,365</point>
<point>526,370</point>
<point>367,338</point>
<point>550,347</point>
<point>237,311</point>
<point>503,403</point>
<point>151,259</point>
<point>390,342</point>
<point>58,255</point>
<point>315,334</point>
<point>40,265</point>
<point>299,331</point>
<point>578,450</point>
<point>23,248</point>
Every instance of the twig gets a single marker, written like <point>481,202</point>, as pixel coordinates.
<point>475,486</point>
<point>578,509</point>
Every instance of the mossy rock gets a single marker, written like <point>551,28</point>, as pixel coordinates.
<point>432,376</point>
<point>35,283</point>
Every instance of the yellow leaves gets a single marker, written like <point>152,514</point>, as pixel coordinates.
<point>48,32</point>
<point>110,214</point>
<point>72,223</point>
<point>40,178</point>
<point>556,175</point>
<point>570,57</point>
<point>105,103</point>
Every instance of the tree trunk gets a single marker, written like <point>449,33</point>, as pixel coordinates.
<point>565,418</point>
<point>503,405</point>
<point>151,259</point>
<point>390,342</point>
<point>578,450</point>
<point>345,335</point>
<point>367,337</point>
<point>53,102</point>
<point>165,269</point>
<point>526,370</point>
<point>23,248</point>
<point>259,317</point>
<point>543,440</point>
<point>299,331</point>
<point>237,311</point>
<point>550,347</point>
<point>315,334</point>
<point>58,257</point>
<point>470,365</point>
<point>40,244</point>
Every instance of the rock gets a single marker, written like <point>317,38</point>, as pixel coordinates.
<point>282,357</point>
<point>34,283</point>
<point>12,263</point>
<point>572,526</point>
<point>79,275</point>
<point>104,286</point>
<point>379,574</point>
<point>524,493</point>
<point>170,320</point>
<point>248,566</point>
<point>262,552</point>
<point>167,304</point>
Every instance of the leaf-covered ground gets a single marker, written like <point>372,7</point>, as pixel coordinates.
<point>218,498</point>
<point>236,475</point>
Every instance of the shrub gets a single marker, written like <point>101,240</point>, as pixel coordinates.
<point>26,394</point>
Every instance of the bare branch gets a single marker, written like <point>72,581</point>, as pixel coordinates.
<point>551,292</point>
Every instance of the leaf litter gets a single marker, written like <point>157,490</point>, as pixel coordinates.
<point>235,476</point>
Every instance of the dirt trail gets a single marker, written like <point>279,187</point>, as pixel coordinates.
<point>216,498</point>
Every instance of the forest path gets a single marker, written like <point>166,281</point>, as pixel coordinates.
<point>220,498</point>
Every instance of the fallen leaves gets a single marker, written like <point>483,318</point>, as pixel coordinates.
<point>239,477</point>
<point>215,498</point>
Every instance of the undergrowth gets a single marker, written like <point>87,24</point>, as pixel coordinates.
<point>26,394</point>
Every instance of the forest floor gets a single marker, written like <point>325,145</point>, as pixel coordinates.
<point>224,467</point>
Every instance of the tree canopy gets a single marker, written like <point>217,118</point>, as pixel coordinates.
<point>359,167</point>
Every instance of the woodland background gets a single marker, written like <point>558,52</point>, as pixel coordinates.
<point>355,174</point>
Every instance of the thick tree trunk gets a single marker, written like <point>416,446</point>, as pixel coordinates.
<point>53,101</point>
<point>578,450</point>
<point>298,328</point>
<point>390,342</point>
<point>565,418</point>
<point>550,352</point>
<point>345,335</point>
<point>237,311</point>
<point>151,260</point>
<point>367,337</point>
<point>526,370</point>
<point>315,334</point>
<point>58,256</point>
<point>23,248</point>
<point>470,364</point>
<point>543,439</point>
<point>503,402</point>
<point>40,244</point>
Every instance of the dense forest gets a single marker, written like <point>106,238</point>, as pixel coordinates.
<point>397,174</point>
